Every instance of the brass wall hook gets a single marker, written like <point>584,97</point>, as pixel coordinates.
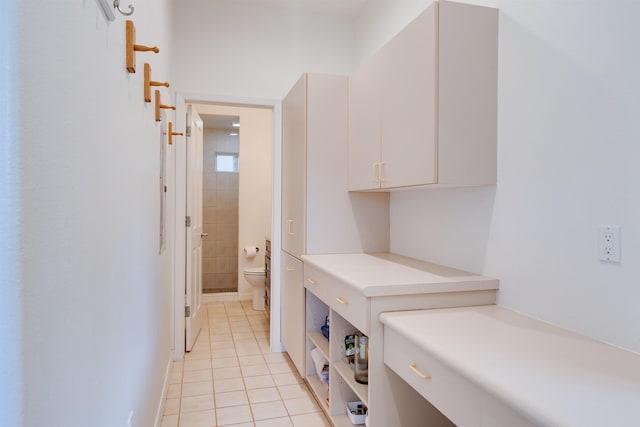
<point>132,47</point>
<point>148,82</point>
<point>171,133</point>
<point>159,105</point>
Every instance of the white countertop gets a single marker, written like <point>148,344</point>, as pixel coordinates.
<point>553,376</point>
<point>385,274</point>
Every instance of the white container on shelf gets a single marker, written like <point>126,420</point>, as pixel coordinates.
<point>354,417</point>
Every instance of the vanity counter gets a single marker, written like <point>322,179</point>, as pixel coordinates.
<point>493,364</point>
<point>386,274</point>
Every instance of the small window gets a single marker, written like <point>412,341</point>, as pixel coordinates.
<point>226,162</point>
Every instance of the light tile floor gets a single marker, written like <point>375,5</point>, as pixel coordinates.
<point>231,378</point>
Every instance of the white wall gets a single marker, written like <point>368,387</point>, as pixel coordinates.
<point>225,48</point>
<point>10,304</point>
<point>255,183</point>
<point>567,154</point>
<point>97,294</point>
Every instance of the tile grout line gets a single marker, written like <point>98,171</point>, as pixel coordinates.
<point>246,393</point>
<point>213,387</point>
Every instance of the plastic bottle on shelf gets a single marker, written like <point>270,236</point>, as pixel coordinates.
<point>361,373</point>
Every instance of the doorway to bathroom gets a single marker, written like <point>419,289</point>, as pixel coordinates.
<point>237,196</point>
<point>220,216</point>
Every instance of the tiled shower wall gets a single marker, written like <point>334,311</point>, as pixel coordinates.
<point>220,217</point>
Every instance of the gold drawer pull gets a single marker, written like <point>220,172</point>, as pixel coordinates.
<point>342,300</point>
<point>418,373</point>
<point>289,268</point>
<point>312,281</point>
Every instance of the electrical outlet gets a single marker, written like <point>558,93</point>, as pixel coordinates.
<point>609,243</point>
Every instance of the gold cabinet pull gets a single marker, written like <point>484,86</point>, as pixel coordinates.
<point>418,373</point>
<point>342,300</point>
<point>289,268</point>
<point>313,282</point>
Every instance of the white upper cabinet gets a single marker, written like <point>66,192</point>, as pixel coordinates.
<point>423,110</point>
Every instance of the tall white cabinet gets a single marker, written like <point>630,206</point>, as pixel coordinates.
<point>423,110</point>
<point>318,213</point>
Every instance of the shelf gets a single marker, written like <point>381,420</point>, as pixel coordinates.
<point>320,391</point>
<point>320,342</point>
<point>361,390</point>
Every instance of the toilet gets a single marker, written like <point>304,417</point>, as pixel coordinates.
<point>255,276</point>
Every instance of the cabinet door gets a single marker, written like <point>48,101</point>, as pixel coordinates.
<point>294,131</point>
<point>364,126</point>
<point>292,310</point>
<point>409,97</point>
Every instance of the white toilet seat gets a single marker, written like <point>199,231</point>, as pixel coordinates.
<point>256,278</point>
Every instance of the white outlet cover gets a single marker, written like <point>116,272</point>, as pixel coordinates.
<point>609,246</point>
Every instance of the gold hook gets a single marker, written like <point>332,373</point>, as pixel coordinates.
<point>148,82</point>
<point>172,133</point>
<point>159,105</point>
<point>132,47</point>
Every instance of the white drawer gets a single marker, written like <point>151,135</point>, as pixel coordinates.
<point>464,402</point>
<point>352,305</point>
<point>444,389</point>
<point>317,283</point>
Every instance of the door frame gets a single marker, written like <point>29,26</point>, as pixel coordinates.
<point>180,180</point>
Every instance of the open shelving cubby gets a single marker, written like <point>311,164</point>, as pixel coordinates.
<point>316,313</point>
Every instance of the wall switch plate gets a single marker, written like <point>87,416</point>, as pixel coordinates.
<point>609,243</point>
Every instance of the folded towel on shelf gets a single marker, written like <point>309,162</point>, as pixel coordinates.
<point>321,365</point>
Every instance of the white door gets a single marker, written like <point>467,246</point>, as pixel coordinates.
<point>194,235</point>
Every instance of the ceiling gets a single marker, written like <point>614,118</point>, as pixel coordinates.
<point>347,8</point>
<point>218,122</point>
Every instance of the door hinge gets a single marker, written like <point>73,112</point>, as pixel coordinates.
<point>187,311</point>
<point>187,221</point>
<point>188,131</point>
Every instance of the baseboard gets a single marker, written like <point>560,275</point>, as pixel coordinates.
<point>165,388</point>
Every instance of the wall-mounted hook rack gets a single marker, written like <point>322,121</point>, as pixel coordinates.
<point>148,82</point>
<point>132,47</point>
<point>159,105</point>
<point>171,133</point>
<point>116,5</point>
